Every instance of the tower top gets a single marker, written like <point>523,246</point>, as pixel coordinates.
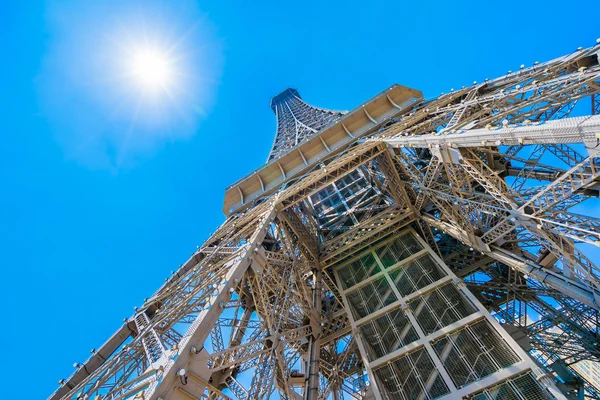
<point>296,121</point>
<point>283,96</point>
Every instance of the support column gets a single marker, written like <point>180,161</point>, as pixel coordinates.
<point>312,383</point>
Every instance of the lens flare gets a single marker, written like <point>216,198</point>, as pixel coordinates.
<point>137,74</point>
<point>151,68</point>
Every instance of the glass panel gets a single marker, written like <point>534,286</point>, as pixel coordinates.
<point>412,376</point>
<point>370,298</point>
<point>440,308</point>
<point>416,274</point>
<point>358,271</point>
<point>398,250</point>
<point>387,333</point>
<point>474,352</point>
<point>522,387</point>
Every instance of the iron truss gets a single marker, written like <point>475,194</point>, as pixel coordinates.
<point>499,179</point>
<point>296,121</point>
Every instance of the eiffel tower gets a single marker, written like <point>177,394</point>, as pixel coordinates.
<point>410,248</point>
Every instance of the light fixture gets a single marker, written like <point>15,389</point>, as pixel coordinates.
<point>182,376</point>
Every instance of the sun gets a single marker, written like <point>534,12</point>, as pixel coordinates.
<point>151,68</point>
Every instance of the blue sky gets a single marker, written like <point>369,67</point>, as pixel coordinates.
<point>102,196</point>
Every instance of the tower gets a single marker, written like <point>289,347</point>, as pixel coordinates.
<point>296,121</point>
<point>407,249</point>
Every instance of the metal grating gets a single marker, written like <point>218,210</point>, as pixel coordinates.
<point>473,352</point>
<point>412,376</point>
<point>358,270</point>
<point>370,298</point>
<point>387,333</point>
<point>456,343</point>
<point>416,274</point>
<point>398,249</point>
<point>523,387</point>
<point>440,307</point>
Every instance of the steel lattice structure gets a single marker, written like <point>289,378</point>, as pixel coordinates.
<point>408,248</point>
<point>296,121</point>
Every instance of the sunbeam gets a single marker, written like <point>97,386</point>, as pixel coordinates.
<point>151,68</point>
<point>146,68</point>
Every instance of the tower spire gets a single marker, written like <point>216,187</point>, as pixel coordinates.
<point>296,121</point>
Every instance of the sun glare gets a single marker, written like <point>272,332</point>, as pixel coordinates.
<point>151,68</point>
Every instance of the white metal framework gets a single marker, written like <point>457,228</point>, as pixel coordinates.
<point>421,333</point>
